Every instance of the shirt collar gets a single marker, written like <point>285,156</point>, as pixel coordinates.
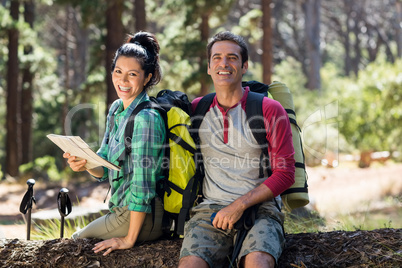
<point>242,101</point>
<point>140,98</point>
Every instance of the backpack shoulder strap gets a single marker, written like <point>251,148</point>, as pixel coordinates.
<point>255,118</point>
<point>199,113</point>
<point>256,122</point>
<point>111,121</point>
<point>128,132</point>
<point>194,187</point>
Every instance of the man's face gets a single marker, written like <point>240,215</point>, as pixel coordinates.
<point>225,67</point>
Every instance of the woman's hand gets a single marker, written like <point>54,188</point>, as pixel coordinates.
<point>75,165</point>
<point>112,244</point>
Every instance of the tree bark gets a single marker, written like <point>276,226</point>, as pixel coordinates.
<point>13,95</point>
<point>312,24</point>
<point>357,11</point>
<point>397,26</point>
<point>204,31</point>
<point>140,15</point>
<point>67,55</point>
<point>114,39</point>
<point>26,95</point>
<point>267,57</point>
<point>347,61</point>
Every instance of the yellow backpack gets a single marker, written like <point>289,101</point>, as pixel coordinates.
<point>181,160</point>
<point>179,184</point>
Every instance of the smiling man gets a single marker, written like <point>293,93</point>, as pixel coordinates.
<point>230,188</point>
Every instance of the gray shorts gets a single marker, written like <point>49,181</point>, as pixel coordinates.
<point>215,246</point>
<point>116,224</point>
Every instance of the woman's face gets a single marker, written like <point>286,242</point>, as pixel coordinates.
<point>128,79</point>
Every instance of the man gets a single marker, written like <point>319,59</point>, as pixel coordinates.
<point>231,158</point>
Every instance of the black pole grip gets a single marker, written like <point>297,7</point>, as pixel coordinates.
<point>28,198</point>
<point>64,202</point>
<point>26,205</point>
<point>64,206</point>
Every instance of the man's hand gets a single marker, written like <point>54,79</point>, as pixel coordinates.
<point>228,216</point>
<point>112,244</point>
<point>75,165</point>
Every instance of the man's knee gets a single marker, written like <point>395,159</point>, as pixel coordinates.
<point>258,259</point>
<point>192,261</point>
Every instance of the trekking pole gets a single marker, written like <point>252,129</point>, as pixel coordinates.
<point>26,205</point>
<point>243,225</point>
<point>64,206</point>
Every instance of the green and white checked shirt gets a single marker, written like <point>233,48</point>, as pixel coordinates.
<point>134,186</point>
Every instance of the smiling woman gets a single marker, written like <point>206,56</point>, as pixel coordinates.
<point>135,69</point>
<point>129,79</point>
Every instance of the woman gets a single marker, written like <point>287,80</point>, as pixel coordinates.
<point>135,69</point>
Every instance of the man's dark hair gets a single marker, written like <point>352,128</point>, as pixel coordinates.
<point>229,36</point>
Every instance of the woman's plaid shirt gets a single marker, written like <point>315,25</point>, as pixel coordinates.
<point>134,186</point>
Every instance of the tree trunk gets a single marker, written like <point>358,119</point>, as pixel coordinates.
<point>347,61</point>
<point>140,15</point>
<point>80,63</point>
<point>13,95</point>
<point>267,58</point>
<point>312,24</point>
<point>66,53</point>
<point>81,50</point>
<point>204,30</point>
<point>357,9</point>
<point>26,95</point>
<point>398,31</point>
<point>114,39</point>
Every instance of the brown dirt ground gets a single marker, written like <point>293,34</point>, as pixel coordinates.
<point>379,248</point>
<point>333,192</point>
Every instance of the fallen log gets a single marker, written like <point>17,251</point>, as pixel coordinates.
<point>377,248</point>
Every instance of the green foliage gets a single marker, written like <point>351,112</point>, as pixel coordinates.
<point>369,219</point>
<point>371,108</point>
<point>41,168</point>
<point>316,111</point>
<point>92,10</point>
<point>361,221</point>
<point>249,26</point>
<point>50,229</point>
<point>1,172</point>
<point>296,224</point>
<point>348,114</point>
<point>183,48</point>
<point>5,19</point>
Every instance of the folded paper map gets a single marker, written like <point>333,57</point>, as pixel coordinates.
<point>76,146</point>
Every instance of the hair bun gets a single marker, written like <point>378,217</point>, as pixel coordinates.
<point>146,40</point>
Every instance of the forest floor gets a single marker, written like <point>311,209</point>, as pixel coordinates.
<point>371,195</point>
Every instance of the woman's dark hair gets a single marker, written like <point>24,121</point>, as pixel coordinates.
<point>229,36</point>
<point>144,47</point>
